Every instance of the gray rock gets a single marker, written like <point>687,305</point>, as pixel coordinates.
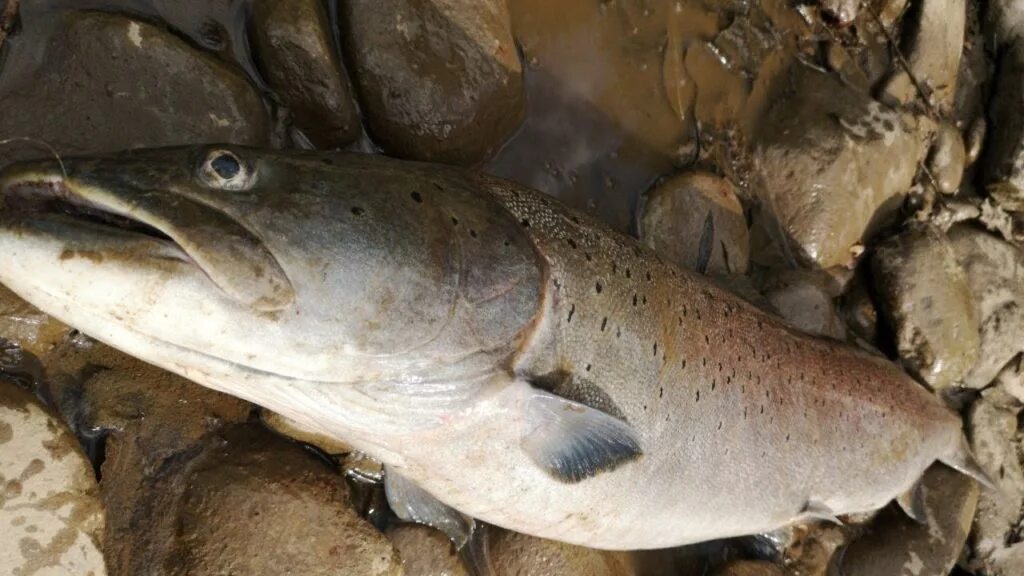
<point>806,299</point>
<point>298,58</point>
<point>996,441</point>
<point>933,45</point>
<point>896,545</point>
<point>438,80</point>
<point>829,162</point>
<point>947,159</point>
<point>925,297</point>
<point>695,220</point>
<point>1003,157</point>
<point>515,554</point>
<point>108,82</point>
<point>995,275</point>
<point>287,427</point>
<point>50,513</point>
<point>750,568</point>
<point>425,551</point>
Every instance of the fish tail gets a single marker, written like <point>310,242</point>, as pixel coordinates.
<point>962,460</point>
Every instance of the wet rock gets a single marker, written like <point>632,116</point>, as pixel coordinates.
<point>512,554</point>
<point>296,431</point>
<point>840,13</point>
<point>1003,157</point>
<point>925,297</point>
<point>806,299</point>
<point>425,551</point>
<point>144,426</point>
<point>50,513</point>
<point>947,159</point>
<point>438,80</point>
<point>254,503</point>
<point>996,441</point>
<point>995,275</point>
<point>829,162</point>
<point>750,568</point>
<point>293,42</point>
<point>859,310</point>
<point>26,326</point>
<point>695,220</point>
<point>107,82</point>
<point>933,45</point>
<point>896,544</point>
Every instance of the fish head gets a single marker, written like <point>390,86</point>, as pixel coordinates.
<point>303,266</point>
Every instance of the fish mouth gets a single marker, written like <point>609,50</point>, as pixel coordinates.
<point>98,220</point>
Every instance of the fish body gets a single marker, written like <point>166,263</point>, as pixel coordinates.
<point>516,360</point>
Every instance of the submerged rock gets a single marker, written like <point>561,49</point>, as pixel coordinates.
<point>925,297</point>
<point>750,568</point>
<point>438,80</point>
<point>896,545</point>
<point>50,513</point>
<point>300,63</point>
<point>108,82</point>
<point>828,162</point>
<point>695,220</point>
<point>26,326</point>
<point>425,551</point>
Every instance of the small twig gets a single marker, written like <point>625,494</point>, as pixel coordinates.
<point>7,19</point>
<point>905,64</point>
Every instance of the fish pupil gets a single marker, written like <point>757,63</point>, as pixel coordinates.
<point>226,166</point>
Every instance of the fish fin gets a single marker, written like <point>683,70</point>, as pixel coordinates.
<point>962,460</point>
<point>912,503</point>
<point>573,442</point>
<point>414,504</point>
<point>816,510</point>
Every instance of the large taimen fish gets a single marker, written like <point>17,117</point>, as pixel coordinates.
<point>518,361</point>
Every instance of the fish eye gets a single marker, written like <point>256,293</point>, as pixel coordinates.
<point>224,170</point>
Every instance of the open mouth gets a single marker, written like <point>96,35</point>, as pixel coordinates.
<point>53,196</point>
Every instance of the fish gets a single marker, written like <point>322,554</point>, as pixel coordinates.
<point>507,358</point>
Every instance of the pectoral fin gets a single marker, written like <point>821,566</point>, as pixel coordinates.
<point>912,502</point>
<point>413,504</point>
<point>572,442</point>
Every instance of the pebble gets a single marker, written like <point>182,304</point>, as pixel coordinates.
<point>896,545</point>
<point>806,300</point>
<point>695,220</point>
<point>750,568</point>
<point>830,163</point>
<point>927,302</point>
<point>438,80</point>
<point>296,431</point>
<point>994,430</point>
<point>425,551</point>
<point>107,82</point>
<point>299,61</point>
<point>947,159</point>
<point>51,518</point>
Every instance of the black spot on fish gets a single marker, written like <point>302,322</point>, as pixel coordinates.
<point>598,287</point>
<point>416,197</point>
<point>655,348</point>
<point>572,310</point>
<point>618,332</point>
<point>525,222</point>
<point>698,395</point>
<point>588,367</point>
<point>629,273</point>
<point>634,300</point>
<point>714,382</point>
<point>472,233</point>
<point>455,222</point>
<point>588,256</point>
<point>572,243</point>
<point>661,391</point>
<point>604,323</point>
<point>358,211</point>
<point>684,364</point>
<point>648,276</point>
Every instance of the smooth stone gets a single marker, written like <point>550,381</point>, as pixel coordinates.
<point>301,433</point>
<point>933,45</point>
<point>299,61</point>
<point>51,519</point>
<point>254,503</point>
<point>995,275</point>
<point>26,326</point>
<point>97,67</point>
<point>806,300</point>
<point>425,551</point>
<point>896,545</point>
<point>514,554</point>
<point>927,302</point>
<point>947,159</point>
<point>993,427</point>
<point>695,220</point>
<point>438,80</point>
<point>831,164</point>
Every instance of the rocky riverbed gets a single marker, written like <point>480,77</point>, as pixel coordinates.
<point>855,167</point>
